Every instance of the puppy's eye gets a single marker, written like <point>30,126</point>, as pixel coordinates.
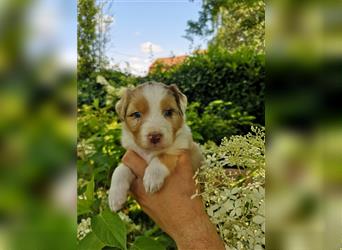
<point>168,112</point>
<point>136,115</point>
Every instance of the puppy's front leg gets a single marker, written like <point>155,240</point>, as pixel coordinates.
<point>121,181</point>
<point>154,176</point>
<point>156,172</point>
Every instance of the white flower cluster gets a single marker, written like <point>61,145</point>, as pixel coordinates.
<point>235,198</point>
<point>83,228</point>
<point>130,225</point>
<point>85,149</point>
<point>101,193</point>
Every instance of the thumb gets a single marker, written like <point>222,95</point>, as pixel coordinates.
<point>184,165</point>
<point>135,163</point>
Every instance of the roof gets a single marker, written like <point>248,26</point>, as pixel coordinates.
<point>167,62</point>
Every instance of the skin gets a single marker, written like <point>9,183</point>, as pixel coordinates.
<point>184,219</point>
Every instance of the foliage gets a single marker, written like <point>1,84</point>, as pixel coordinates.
<point>127,228</point>
<point>87,65</point>
<point>93,24</point>
<point>107,229</point>
<point>237,77</point>
<point>106,84</point>
<point>217,120</point>
<point>119,79</point>
<point>92,39</point>
<point>233,23</point>
<point>86,36</point>
<point>98,146</point>
<point>235,202</point>
<point>104,20</point>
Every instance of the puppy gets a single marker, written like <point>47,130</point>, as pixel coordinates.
<point>153,125</point>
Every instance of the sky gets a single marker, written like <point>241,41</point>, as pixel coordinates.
<point>139,26</point>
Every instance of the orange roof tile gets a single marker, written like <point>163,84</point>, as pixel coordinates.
<point>169,62</point>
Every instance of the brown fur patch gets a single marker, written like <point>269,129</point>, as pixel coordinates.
<point>176,119</point>
<point>170,161</point>
<point>138,103</point>
<point>121,105</point>
<point>181,99</point>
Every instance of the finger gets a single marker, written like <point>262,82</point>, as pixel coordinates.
<point>135,163</point>
<point>185,158</point>
<point>184,164</point>
<point>137,189</point>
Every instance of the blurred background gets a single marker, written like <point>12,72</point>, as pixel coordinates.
<point>304,125</point>
<point>38,55</point>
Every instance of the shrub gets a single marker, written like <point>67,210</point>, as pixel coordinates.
<point>118,78</point>
<point>218,119</point>
<point>238,77</point>
<point>236,202</point>
<point>98,149</point>
<point>90,89</point>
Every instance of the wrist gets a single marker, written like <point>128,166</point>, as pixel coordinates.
<point>202,236</point>
<point>197,232</point>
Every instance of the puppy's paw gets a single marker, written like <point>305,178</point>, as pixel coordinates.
<point>151,183</point>
<point>121,180</point>
<point>154,178</point>
<point>117,198</point>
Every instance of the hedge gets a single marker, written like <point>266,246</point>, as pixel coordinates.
<point>237,77</point>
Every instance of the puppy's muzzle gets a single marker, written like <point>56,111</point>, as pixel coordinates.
<point>155,137</point>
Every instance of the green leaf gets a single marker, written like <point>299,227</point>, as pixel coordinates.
<point>89,193</point>
<point>96,103</point>
<point>166,241</point>
<point>90,242</point>
<point>110,229</point>
<point>145,243</point>
<point>83,206</point>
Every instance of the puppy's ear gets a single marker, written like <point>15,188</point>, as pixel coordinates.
<point>121,105</point>
<point>181,99</point>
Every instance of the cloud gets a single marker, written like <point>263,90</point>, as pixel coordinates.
<point>135,65</point>
<point>134,59</point>
<point>148,47</point>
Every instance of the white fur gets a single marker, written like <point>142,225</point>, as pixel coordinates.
<point>121,181</point>
<point>155,121</point>
<point>156,171</point>
<point>154,176</point>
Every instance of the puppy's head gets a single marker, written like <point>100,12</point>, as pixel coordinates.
<point>153,113</point>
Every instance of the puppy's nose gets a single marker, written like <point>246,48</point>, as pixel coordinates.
<point>155,137</point>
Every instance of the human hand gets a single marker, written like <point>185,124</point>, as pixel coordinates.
<point>172,208</point>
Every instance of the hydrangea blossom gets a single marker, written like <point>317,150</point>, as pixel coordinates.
<point>235,198</point>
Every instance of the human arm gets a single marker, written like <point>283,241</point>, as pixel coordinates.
<point>183,218</point>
